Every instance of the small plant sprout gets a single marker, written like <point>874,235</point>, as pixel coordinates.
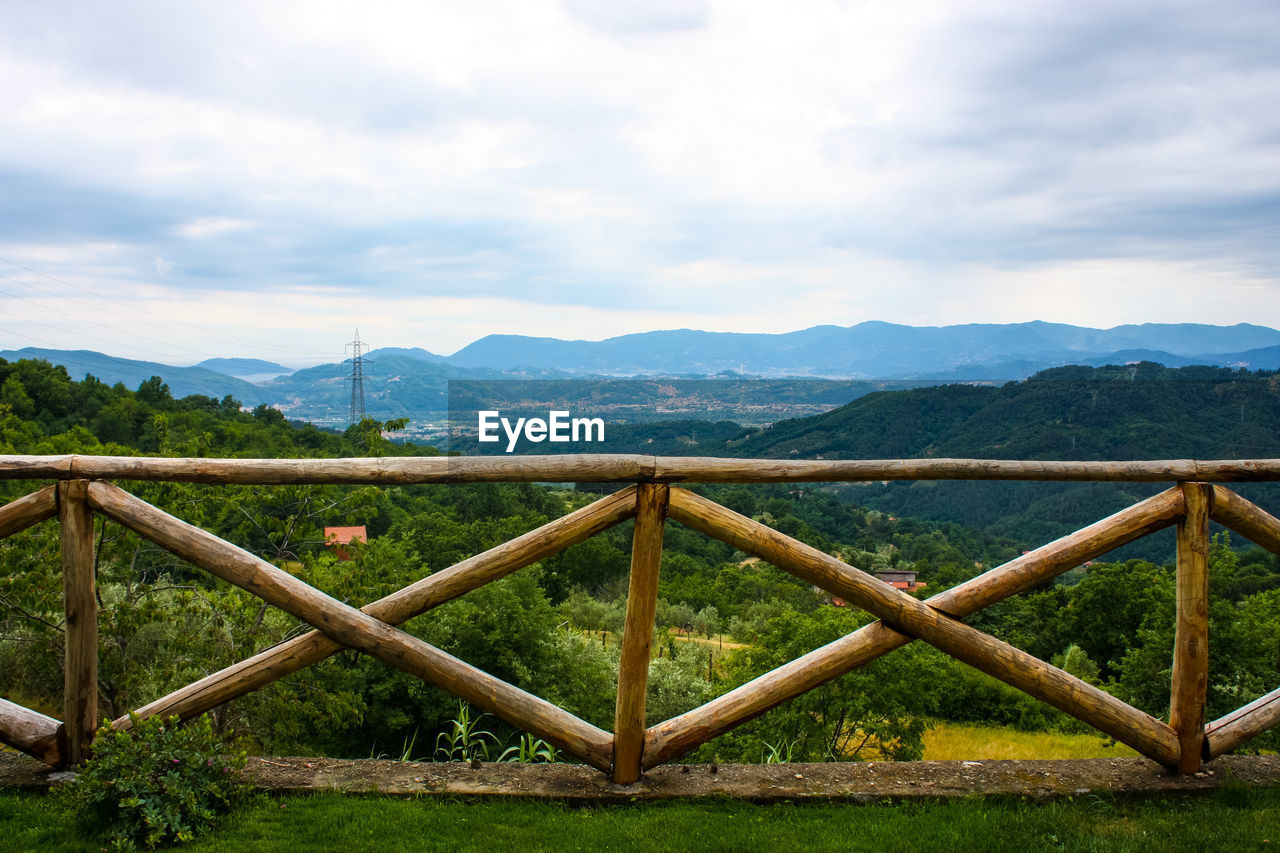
<point>530,750</point>
<point>465,740</point>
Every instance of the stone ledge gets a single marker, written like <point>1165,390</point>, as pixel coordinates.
<point>864,781</point>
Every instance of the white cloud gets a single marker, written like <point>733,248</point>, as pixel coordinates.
<point>753,165</point>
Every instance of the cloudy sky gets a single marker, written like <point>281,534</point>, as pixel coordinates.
<point>183,180</point>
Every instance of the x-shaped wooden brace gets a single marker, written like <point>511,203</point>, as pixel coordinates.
<point>903,618</point>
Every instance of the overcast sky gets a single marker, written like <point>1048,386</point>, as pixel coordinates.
<point>183,180</point>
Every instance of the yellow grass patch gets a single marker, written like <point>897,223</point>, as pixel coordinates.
<point>966,741</point>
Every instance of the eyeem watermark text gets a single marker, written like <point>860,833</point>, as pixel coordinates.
<point>557,427</point>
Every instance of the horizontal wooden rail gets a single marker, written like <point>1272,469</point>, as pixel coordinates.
<point>355,629</point>
<point>671,738</point>
<point>422,595</point>
<point>617,468</point>
<point>914,618</point>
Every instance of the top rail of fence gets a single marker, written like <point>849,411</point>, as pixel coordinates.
<point>619,468</point>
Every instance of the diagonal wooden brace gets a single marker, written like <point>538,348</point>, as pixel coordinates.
<point>353,628</point>
<point>914,618</point>
<point>400,606</point>
<point>674,737</point>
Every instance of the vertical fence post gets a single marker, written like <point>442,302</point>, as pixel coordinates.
<point>80,603</point>
<point>1191,639</point>
<point>642,599</point>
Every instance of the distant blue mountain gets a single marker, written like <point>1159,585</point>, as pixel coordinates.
<point>867,350</point>
<point>243,367</point>
<point>417,353</point>
<point>182,381</point>
<point>413,382</point>
<point>1264,358</point>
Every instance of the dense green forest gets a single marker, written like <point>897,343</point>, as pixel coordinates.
<point>723,618</point>
<point>1136,411</point>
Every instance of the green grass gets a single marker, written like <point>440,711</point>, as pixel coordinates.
<point>1230,819</point>
<point>969,742</point>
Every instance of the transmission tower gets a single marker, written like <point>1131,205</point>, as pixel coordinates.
<point>358,349</point>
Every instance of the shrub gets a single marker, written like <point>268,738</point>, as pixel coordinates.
<point>158,783</point>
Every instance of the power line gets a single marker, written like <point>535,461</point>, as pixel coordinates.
<point>93,323</point>
<point>30,337</point>
<point>97,309</point>
<point>225,336</point>
<point>64,239</point>
<point>65,331</point>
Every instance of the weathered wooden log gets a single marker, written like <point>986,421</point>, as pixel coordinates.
<point>19,467</point>
<point>30,731</point>
<point>417,598</point>
<point>80,605</point>
<point>355,629</point>
<point>28,510</point>
<point>1246,518</point>
<point>637,633</point>
<point>1190,681</point>
<point>1029,674</point>
<point>620,468</point>
<point>674,737</point>
<point>1229,731</point>
<point>364,470</point>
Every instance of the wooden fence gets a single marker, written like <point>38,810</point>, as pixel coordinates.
<point>651,498</point>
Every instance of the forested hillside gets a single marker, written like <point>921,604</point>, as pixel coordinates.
<point>723,619</point>
<point>1141,411</point>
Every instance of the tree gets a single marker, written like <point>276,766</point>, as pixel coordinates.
<point>878,711</point>
<point>154,391</point>
<point>370,435</point>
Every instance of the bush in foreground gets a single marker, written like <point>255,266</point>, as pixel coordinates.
<point>156,784</point>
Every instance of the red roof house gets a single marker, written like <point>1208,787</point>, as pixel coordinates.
<point>336,537</point>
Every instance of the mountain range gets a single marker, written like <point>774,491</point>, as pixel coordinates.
<point>877,350</point>
<point>182,381</point>
<point>412,382</point>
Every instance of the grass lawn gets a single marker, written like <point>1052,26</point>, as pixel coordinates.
<point>968,742</point>
<point>1230,819</point>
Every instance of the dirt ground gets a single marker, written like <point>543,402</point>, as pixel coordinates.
<point>864,781</point>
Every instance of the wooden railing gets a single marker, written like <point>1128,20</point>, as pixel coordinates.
<point>650,498</point>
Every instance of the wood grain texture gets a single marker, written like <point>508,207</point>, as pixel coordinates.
<point>28,510</point>
<point>672,738</point>
<point>637,633</point>
<point>417,598</point>
<point>1144,733</point>
<point>1190,682</point>
<point>1246,518</point>
<point>30,731</point>
<point>1229,731</point>
<point>355,629</point>
<point>620,468</point>
<point>80,606</point>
